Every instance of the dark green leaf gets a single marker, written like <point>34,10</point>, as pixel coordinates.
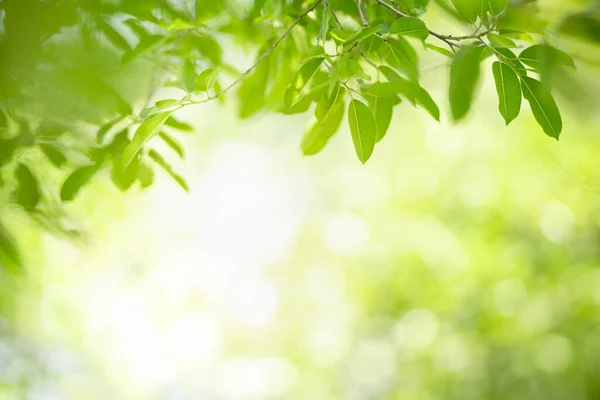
<point>464,75</point>
<point>509,91</point>
<point>27,193</point>
<point>146,131</point>
<point>9,253</point>
<point>114,36</point>
<point>56,157</point>
<point>543,106</point>
<point>76,181</point>
<point>363,128</point>
<point>410,26</point>
<point>510,58</point>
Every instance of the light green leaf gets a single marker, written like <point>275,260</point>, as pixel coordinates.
<point>162,104</point>
<point>410,26</point>
<point>329,114</point>
<point>509,91</point>
<point>440,50</point>
<point>181,126</point>
<point>206,80</point>
<point>543,106</point>
<point>500,41</point>
<point>464,75</point>
<point>382,109</point>
<point>358,36</point>
<point>157,158</point>
<point>295,90</point>
<point>146,131</point>
<point>402,86</point>
<point>363,128</point>
<point>403,57</point>
<point>424,99</point>
<point>9,252</point>
<point>172,143</point>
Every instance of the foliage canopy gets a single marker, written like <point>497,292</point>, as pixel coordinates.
<point>79,78</point>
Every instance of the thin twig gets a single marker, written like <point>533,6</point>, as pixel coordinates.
<point>268,52</point>
<point>361,13</point>
<point>448,39</point>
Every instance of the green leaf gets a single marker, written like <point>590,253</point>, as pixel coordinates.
<point>500,41</point>
<point>329,114</point>
<point>403,57</point>
<point>510,58</point>
<point>358,36</point>
<point>294,91</point>
<point>464,75</point>
<point>114,36</point>
<point>172,143</point>
<point>9,252</point>
<point>143,46</point>
<point>410,26</point>
<point>56,157</point>
<point>76,181</point>
<point>157,158</point>
<point>144,132</point>
<point>382,108</point>
<point>424,99</point>
<point>145,175</point>
<point>542,56</point>
<point>509,91</point>
<point>162,104</point>
<point>206,80</point>
<point>27,193</point>
<point>363,128</point>
<point>543,106</point>
<point>104,128</point>
<point>440,50</point>
<point>403,86</point>
<point>182,126</point>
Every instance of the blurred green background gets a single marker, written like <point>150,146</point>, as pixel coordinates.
<point>462,262</point>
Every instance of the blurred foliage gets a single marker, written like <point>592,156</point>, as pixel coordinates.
<point>448,275</point>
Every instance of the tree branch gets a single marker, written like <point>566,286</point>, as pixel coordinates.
<point>266,53</point>
<point>361,13</point>
<point>448,39</point>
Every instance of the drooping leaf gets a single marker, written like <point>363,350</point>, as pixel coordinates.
<point>543,106</point>
<point>145,175</point>
<point>464,75</point>
<point>509,91</point>
<point>76,181</point>
<point>329,114</point>
<point>510,58</point>
<point>144,132</point>
<point>424,100</point>
<point>157,158</point>
<point>440,50</point>
<point>410,26</point>
<point>295,90</point>
<point>124,176</point>
<point>176,124</point>
<point>27,193</point>
<point>363,128</point>
<point>382,108</point>
<point>403,57</point>
<point>172,143</point>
